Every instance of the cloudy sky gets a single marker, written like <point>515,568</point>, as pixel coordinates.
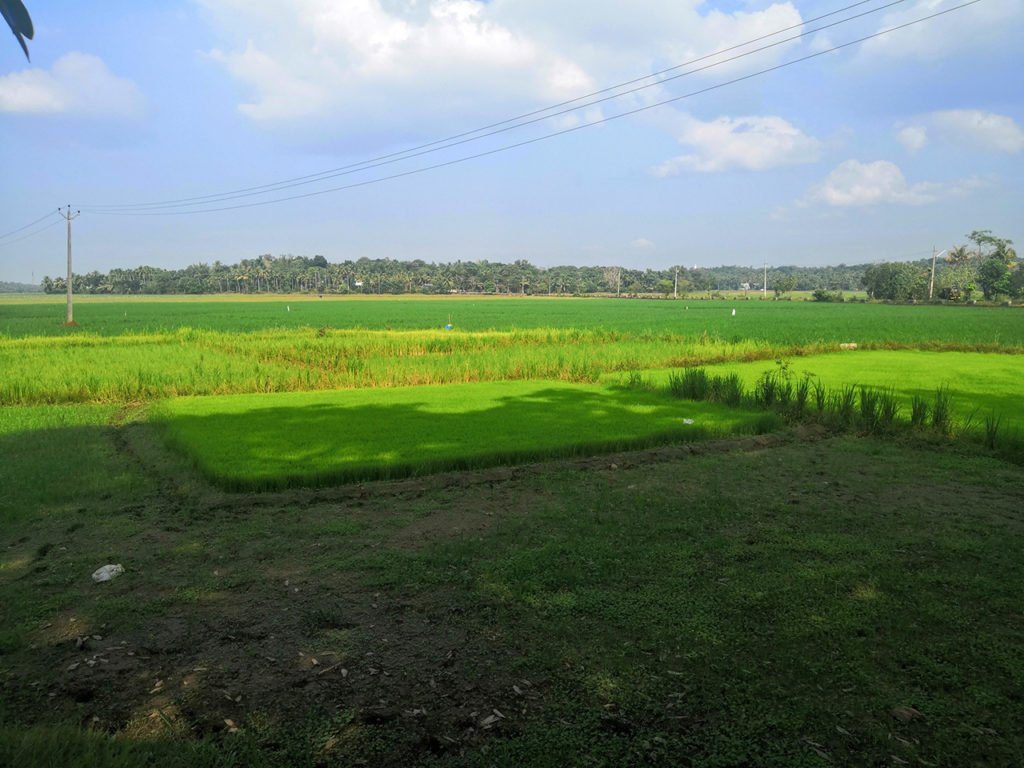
<point>879,150</point>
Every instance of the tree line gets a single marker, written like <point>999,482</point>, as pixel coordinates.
<point>303,274</point>
<point>989,267</point>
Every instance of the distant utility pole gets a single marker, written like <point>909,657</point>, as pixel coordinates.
<point>675,290</point>
<point>65,213</point>
<point>764,287</point>
<point>931,283</point>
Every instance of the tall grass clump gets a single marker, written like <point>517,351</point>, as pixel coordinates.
<point>844,406</point>
<point>774,388</point>
<point>696,384</point>
<point>888,408</point>
<point>942,412</point>
<point>992,427</point>
<point>878,409</point>
<point>766,390</point>
<point>690,384</point>
<point>869,406</point>
<point>636,380</point>
<point>820,396</point>
<point>802,395</point>
<point>728,390</point>
<point>918,412</point>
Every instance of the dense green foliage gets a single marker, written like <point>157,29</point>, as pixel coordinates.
<point>293,274</point>
<point>991,266</point>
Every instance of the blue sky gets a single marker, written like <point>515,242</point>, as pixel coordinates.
<point>875,152</point>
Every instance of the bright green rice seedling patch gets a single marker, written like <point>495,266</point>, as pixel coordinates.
<point>983,383</point>
<point>274,441</point>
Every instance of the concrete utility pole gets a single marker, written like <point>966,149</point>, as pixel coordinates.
<point>675,290</point>
<point>931,283</point>
<point>65,213</point>
<point>764,287</point>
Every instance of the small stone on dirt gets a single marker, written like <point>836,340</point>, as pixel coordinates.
<point>107,572</point>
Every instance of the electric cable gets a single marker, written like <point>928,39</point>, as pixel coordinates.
<point>30,234</point>
<point>504,125</point>
<point>552,135</point>
<point>30,224</point>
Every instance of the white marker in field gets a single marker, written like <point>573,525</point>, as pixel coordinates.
<point>734,313</point>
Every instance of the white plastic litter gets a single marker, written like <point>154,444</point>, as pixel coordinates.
<point>687,421</point>
<point>107,572</point>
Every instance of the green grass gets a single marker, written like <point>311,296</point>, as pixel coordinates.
<point>847,601</point>
<point>55,458</point>
<point>271,441</point>
<point>754,608</point>
<point>978,384</point>
<point>239,347</point>
<point>777,323</point>
<point>193,362</point>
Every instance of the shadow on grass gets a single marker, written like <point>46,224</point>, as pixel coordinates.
<point>277,441</point>
<point>63,468</point>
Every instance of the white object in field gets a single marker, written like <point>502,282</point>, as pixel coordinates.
<point>107,572</point>
<point>289,307</point>
<point>687,421</point>
<point>734,313</point>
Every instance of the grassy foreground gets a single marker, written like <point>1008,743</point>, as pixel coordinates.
<point>768,602</point>
<point>846,601</point>
<point>254,442</point>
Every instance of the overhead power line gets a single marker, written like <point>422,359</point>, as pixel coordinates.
<point>563,132</point>
<point>30,224</point>
<point>509,124</point>
<point>39,231</point>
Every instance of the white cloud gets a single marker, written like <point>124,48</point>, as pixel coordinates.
<point>984,130</point>
<point>77,84</point>
<point>416,66</point>
<point>913,137</point>
<point>965,127</point>
<point>966,30</point>
<point>853,183</point>
<point>362,61</point>
<point>752,143</point>
<point>641,243</point>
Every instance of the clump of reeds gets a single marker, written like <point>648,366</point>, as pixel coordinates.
<point>942,413</point>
